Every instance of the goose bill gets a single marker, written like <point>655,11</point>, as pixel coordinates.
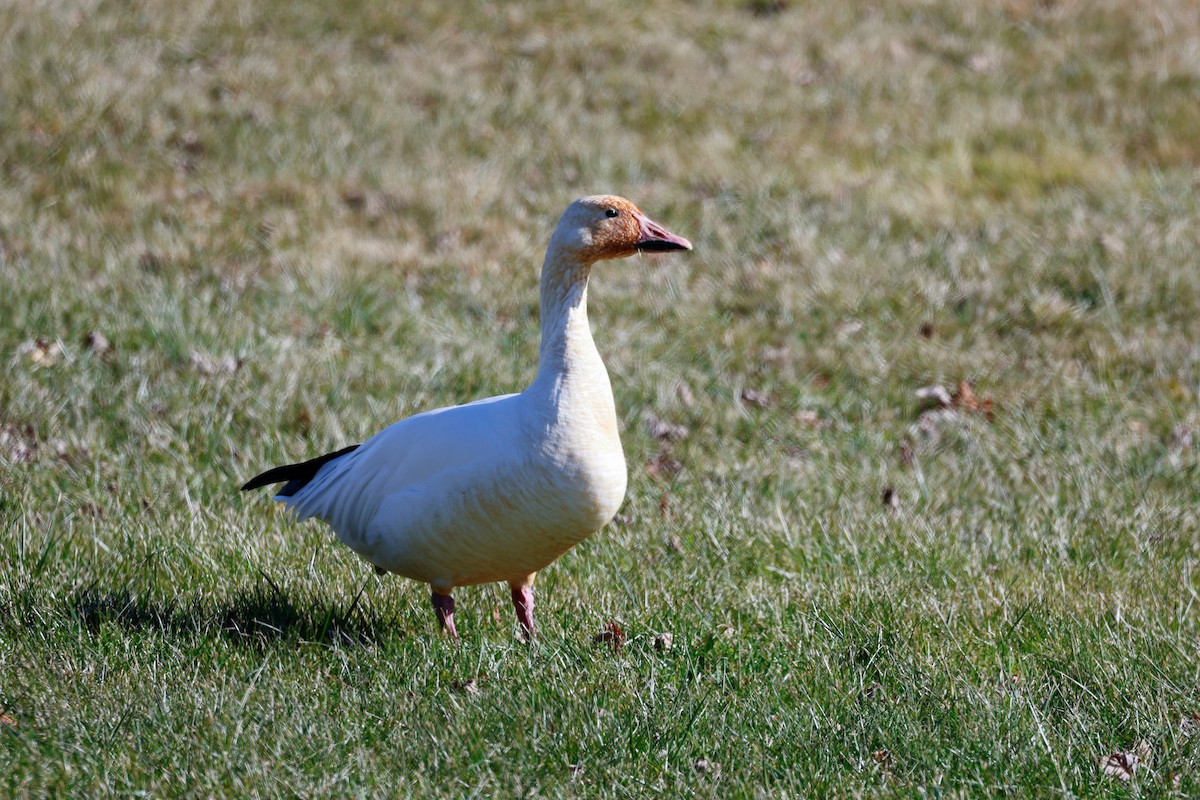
<point>657,239</point>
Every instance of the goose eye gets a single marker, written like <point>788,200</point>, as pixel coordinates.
<point>612,212</point>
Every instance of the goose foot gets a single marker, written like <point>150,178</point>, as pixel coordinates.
<point>443,605</point>
<point>522,597</point>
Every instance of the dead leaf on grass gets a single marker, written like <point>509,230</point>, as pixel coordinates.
<point>18,444</point>
<point>942,408</point>
<point>756,398</point>
<point>468,687</point>
<point>890,501</point>
<point>5,719</point>
<point>882,757</point>
<point>705,767</point>
<point>665,431</point>
<point>962,399</point>
<point>663,642</point>
<point>1124,765</point>
<point>664,465</point>
<point>966,400</point>
<point>612,635</point>
<point>41,352</point>
<point>97,343</point>
<point>1119,765</point>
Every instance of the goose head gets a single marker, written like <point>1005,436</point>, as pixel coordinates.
<point>606,226</point>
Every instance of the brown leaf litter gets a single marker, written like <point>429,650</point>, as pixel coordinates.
<point>756,398</point>
<point>665,431</point>
<point>18,443</point>
<point>41,352</point>
<point>611,634</point>
<point>940,408</point>
<point>97,343</point>
<point>890,501</point>
<point>664,465</point>
<point>963,399</point>
<point>1123,765</point>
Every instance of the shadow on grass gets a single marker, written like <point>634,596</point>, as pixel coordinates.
<point>256,616</point>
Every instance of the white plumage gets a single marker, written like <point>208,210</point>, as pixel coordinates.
<point>496,489</point>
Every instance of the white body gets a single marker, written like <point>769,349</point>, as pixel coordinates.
<point>492,490</point>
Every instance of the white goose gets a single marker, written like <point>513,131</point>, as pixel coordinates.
<point>497,489</point>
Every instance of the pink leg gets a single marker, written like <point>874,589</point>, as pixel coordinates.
<point>443,604</point>
<point>522,597</point>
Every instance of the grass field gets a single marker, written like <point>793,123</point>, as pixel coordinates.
<point>238,234</point>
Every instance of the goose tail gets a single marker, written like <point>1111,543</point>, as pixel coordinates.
<point>294,476</point>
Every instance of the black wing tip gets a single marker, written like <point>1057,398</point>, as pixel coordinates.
<point>273,475</point>
<point>297,475</point>
<point>256,482</point>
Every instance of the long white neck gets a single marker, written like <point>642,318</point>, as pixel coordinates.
<point>568,354</point>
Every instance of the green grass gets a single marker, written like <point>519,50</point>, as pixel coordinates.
<point>297,224</point>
